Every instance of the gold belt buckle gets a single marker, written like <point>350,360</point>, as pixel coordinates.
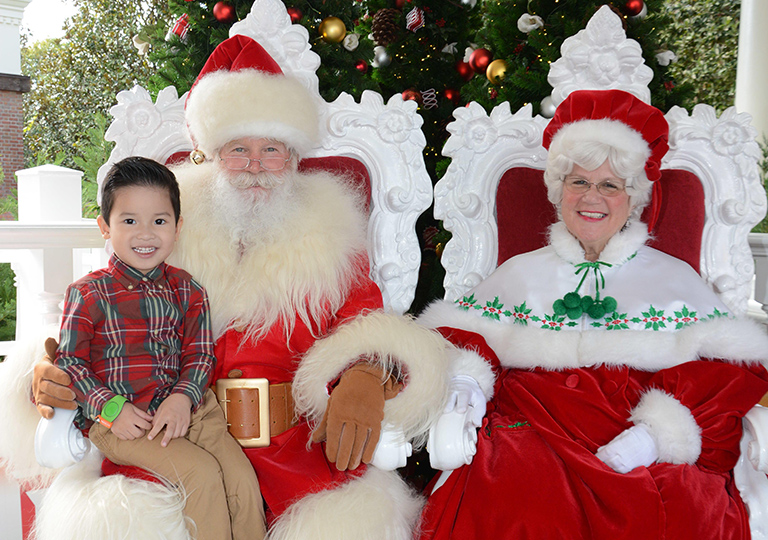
<point>262,385</point>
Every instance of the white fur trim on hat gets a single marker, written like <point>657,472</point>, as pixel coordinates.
<point>610,132</point>
<point>226,105</point>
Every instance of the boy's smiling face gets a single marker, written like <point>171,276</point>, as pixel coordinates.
<point>142,226</point>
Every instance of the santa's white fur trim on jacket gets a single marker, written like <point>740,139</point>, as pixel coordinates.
<point>377,506</point>
<point>398,345</point>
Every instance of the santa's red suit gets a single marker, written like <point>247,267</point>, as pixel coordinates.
<point>291,302</point>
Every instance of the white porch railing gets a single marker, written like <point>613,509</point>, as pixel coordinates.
<point>52,245</point>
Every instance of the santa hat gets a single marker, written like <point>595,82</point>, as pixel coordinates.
<point>242,92</point>
<point>618,119</point>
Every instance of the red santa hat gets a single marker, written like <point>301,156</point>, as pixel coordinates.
<point>618,119</point>
<point>242,92</point>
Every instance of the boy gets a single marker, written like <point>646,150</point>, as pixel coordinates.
<point>136,340</point>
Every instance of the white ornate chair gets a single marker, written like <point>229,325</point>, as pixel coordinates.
<point>714,162</point>
<point>378,144</point>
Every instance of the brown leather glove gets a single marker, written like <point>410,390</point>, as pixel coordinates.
<point>352,421</point>
<point>50,385</point>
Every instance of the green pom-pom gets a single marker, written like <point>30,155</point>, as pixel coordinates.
<point>559,307</point>
<point>610,304</point>
<point>574,313</point>
<point>572,300</point>
<point>586,301</point>
<point>596,311</point>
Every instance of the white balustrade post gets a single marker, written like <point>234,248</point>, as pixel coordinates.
<point>48,196</point>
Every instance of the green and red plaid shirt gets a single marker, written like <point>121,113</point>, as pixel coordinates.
<point>139,336</point>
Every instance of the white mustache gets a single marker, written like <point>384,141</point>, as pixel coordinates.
<point>246,180</point>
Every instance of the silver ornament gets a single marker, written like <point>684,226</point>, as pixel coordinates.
<point>548,107</point>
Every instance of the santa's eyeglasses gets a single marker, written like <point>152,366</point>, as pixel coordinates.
<point>271,164</point>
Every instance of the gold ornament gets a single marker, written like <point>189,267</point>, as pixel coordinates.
<point>197,157</point>
<point>496,71</point>
<point>332,30</point>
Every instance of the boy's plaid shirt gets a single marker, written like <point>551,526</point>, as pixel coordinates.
<point>139,336</point>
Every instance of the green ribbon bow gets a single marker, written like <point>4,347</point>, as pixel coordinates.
<point>573,305</point>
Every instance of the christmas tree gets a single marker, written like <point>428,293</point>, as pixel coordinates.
<point>440,53</point>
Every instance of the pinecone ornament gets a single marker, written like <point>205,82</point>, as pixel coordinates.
<point>384,26</point>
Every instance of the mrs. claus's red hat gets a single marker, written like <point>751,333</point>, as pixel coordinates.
<point>618,119</point>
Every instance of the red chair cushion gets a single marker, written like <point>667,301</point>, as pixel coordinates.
<point>524,214</point>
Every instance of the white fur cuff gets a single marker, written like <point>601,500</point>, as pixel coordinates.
<point>672,426</point>
<point>398,345</point>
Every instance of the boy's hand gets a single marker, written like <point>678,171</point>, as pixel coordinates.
<point>131,423</point>
<point>174,414</point>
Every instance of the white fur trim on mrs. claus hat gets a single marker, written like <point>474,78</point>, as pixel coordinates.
<point>242,92</point>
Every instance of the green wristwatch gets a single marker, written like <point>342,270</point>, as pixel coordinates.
<point>110,411</point>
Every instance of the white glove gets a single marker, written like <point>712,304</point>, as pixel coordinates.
<point>465,392</point>
<point>632,448</point>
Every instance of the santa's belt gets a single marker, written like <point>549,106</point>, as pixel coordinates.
<point>255,410</point>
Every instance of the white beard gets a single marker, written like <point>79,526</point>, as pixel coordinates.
<point>254,218</point>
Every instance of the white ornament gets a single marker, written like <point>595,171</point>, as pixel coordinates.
<point>527,22</point>
<point>140,44</point>
<point>664,58</point>
<point>468,51</point>
<point>351,41</point>
<point>547,107</point>
<point>450,48</point>
<point>470,3</point>
<point>381,57</point>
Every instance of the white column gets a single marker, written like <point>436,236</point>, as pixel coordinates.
<point>752,71</point>
<point>10,20</point>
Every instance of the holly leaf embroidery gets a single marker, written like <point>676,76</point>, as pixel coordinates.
<point>494,309</point>
<point>521,315</point>
<point>654,319</point>
<point>465,303</point>
<point>553,322</point>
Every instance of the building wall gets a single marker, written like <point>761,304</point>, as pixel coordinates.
<point>12,88</point>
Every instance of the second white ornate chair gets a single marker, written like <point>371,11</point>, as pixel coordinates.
<point>713,161</point>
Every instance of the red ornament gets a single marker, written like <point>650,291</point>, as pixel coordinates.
<point>479,60</point>
<point>452,94</point>
<point>413,95</point>
<point>494,93</point>
<point>464,70</point>
<point>634,7</point>
<point>361,66</point>
<point>295,14</point>
<point>224,13</point>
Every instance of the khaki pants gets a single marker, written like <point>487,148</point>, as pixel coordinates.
<point>223,495</point>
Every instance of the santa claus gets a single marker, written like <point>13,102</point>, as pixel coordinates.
<point>298,322</point>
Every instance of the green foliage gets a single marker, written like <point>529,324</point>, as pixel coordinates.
<point>529,55</point>
<point>79,75</point>
<point>705,37</point>
<point>7,303</point>
<point>94,152</point>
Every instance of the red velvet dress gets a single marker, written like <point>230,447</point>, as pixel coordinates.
<point>535,474</point>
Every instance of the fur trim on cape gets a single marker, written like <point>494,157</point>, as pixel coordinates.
<point>734,340</point>
<point>396,344</point>
<point>307,267</point>
<point>377,506</point>
<point>672,426</point>
<point>618,250</point>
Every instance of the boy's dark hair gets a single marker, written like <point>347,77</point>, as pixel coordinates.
<point>139,171</point>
